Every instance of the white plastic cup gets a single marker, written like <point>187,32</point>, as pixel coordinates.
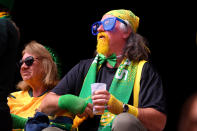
<point>97,87</point>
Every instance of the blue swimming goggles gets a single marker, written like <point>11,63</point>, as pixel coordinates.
<point>108,24</point>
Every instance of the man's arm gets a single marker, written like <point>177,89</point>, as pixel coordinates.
<point>152,119</point>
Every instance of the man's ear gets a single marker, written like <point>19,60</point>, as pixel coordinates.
<point>127,32</point>
<point>125,29</point>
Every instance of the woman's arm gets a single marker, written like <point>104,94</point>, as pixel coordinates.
<point>49,104</point>
<point>53,103</point>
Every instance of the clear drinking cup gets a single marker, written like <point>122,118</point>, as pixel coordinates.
<point>97,87</point>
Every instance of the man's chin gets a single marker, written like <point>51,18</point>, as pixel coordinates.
<point>102,52</point>
<point>102,43</point>
<point>102,49</point>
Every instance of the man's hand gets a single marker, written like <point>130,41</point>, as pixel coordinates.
<point>81,117</point>
<point>100,100</point>
<point>87,112</point>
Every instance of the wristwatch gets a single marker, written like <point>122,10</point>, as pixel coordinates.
<point>125,108</point>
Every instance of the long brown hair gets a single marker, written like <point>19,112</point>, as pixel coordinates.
<point>50,68</point>
<point>136,48</point>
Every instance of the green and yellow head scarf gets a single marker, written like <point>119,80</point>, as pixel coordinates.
<point>126,15</point>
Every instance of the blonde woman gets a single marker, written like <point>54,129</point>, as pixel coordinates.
<point>40,74</point>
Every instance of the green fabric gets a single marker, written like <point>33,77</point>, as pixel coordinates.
<point>121,86</point>
<point>56,59</point>
<point>111,60</point>
<point>91,75</point>
<point>72,103</point>
<point>5,17</point>
<point>64,126</point>
<point>18,122</point>
<point>124,78</point>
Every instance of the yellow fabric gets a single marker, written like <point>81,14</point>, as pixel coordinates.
<point>116,106</point>
<point>133,110</point>
<point>136,88</point>
<point>17,129</point>
<point>3,14</point>
<point>126,15</point>
<point>107,118</point>
<point>23,104</point>
<point>77,121</point>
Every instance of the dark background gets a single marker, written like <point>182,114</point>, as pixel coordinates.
<point>169,29</point>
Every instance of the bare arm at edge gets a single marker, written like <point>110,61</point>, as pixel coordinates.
<point>152,119</point>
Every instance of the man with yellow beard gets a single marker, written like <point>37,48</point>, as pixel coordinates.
<point>133,99</point>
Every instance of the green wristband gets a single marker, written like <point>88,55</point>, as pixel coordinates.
<point>72,103</point>
<point>18,122</point>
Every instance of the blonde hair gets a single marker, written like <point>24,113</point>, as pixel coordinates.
<point>50,76</point>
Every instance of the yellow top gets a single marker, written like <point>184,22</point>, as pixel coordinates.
<point>23,104</point>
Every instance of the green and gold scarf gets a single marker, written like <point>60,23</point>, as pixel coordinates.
<point>121,86</point>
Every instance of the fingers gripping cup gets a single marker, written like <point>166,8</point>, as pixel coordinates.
<point>97,87</point>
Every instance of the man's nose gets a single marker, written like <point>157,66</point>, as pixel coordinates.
<point>100,28</point>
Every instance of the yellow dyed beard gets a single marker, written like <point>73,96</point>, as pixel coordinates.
<point>102,43</point>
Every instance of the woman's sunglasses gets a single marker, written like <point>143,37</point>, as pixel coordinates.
<point>108,24</point>
<point>28,61</point>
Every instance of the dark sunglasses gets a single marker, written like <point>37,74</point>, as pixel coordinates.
<point>28,61</point>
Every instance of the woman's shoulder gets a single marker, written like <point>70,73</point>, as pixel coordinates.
<point>18,94</point>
